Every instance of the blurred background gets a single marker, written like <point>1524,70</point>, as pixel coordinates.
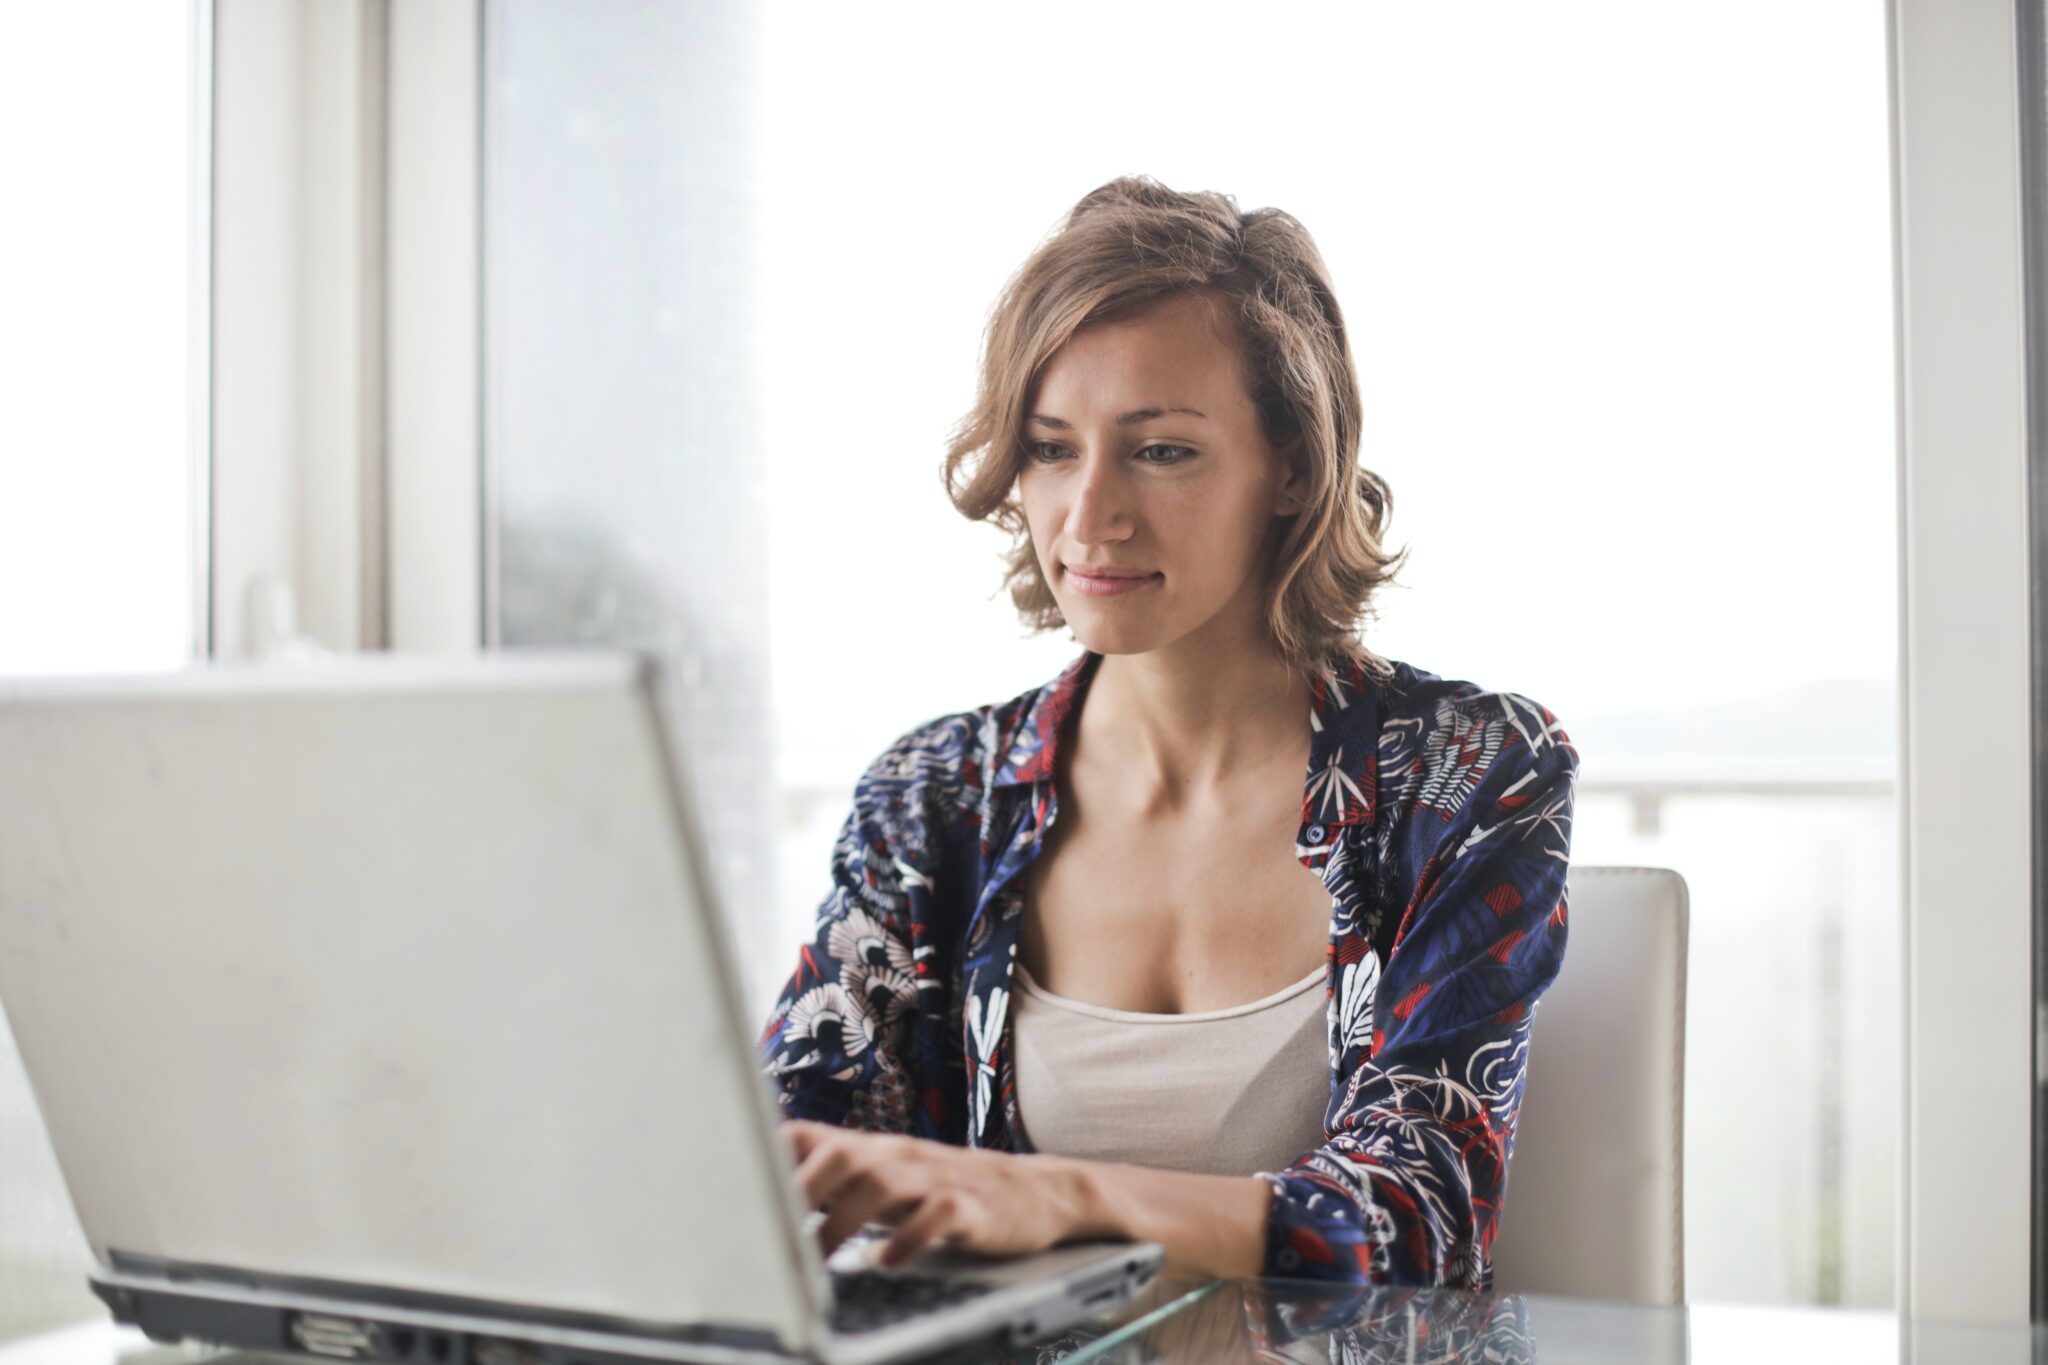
<point>1617,277</point>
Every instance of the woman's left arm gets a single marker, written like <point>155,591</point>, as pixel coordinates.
<point>1409,1187</point>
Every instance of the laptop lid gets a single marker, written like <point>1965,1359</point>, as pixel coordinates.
<point>390,971</point>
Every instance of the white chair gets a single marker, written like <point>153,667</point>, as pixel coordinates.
<point>1594,1203</point>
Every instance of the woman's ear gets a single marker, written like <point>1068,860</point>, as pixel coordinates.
<point>1290,494</point>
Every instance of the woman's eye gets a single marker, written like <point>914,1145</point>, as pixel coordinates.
<point>1046,452</point>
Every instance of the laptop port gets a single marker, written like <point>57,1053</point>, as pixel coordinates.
<point>324,1334</point>
<point>503,1351</point>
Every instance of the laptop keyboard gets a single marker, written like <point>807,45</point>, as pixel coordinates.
<point>863,1300</point>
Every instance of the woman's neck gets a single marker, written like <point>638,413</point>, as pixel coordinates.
<point>1188,720</point>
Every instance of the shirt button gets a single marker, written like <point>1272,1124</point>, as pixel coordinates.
<point>1316,833</point>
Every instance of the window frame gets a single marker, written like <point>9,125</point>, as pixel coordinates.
<point>346,459</point>
<point>1965,780</point>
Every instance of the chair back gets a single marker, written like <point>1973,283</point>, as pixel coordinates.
<point>1594,1201</point>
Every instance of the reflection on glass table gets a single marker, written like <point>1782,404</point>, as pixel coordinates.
<point>1268,1321</point>
<point>1277,1322</point>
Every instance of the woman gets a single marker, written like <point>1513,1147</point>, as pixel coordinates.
<point>1063,986</point>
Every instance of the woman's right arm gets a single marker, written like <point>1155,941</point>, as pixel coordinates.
<point>842,1044</point>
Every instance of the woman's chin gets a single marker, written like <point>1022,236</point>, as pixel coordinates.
<point>1098,636</point>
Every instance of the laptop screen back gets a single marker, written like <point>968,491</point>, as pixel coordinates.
<point>395,973</point>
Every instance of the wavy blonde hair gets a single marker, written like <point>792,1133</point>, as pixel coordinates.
<point>1134,241</point>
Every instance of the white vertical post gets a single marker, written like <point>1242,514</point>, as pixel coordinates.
<point>295,421</point>
<point>199,309</point>
<point>433,371</point>
<point>347,455</point>
<point>1964,667</point>
<point>256,263</point>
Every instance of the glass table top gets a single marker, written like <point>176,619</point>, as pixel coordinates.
<point>1185,1321</point>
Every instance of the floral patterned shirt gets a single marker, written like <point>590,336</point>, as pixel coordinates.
<point>1438,814</point>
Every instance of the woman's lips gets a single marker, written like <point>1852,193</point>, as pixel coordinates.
<point>1103,585</point>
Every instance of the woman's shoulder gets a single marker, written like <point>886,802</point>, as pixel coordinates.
<point>958,756</point>
<point>1411,692</point>
<point>1434,728</point>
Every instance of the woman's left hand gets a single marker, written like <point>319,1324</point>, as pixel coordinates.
<point>994,1203</point>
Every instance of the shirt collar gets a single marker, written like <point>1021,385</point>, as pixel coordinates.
<point>1030,756</point>
<point>1343,742</point>
<point>1343,751</point>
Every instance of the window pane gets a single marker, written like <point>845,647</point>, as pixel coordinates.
<point>621,427</point>
<point>96,482</point>
<point>1625,342</point>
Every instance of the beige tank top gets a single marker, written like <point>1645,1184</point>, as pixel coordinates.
<point>1220,1092</point>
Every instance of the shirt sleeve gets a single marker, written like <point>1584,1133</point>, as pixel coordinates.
<point>1409,1185</point>
<point>839,1040</point>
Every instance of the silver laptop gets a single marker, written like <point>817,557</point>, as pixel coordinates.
<point>382,1008</point>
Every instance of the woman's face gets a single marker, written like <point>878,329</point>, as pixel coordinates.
<point>1147,485</point>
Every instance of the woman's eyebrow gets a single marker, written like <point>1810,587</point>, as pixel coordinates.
<point>1124,419</point>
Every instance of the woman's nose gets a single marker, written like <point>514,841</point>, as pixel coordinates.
<point>1101,507</point>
